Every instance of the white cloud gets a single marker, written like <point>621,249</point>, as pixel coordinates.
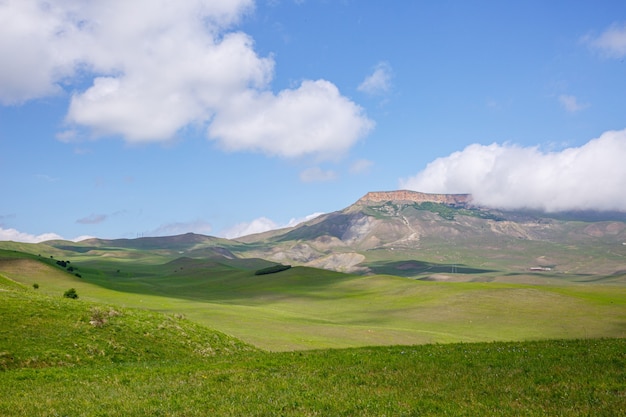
<point>33,42</point>
<point>589,177</point>
<point>157,66</point>
<point>263,224</point>
<point>316,174</point>
<point>179,228</point>
<point>314,118</point>
<point>571,104</point>
<point>83,237</point>
<point>17,236</point>
<point>379,82</point>
<point>612,42</point>
<point>296,221</point>
<point>260,225</point>
<point>51,42</point>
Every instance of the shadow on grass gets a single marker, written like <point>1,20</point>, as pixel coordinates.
<point>411,268</point>
<point>202,280</point>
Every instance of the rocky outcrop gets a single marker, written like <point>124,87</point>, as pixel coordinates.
<point>415,197</point>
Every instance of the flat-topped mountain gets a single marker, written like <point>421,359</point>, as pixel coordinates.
<point>406,233</point>
<point>403,226</point>
<point>460,200</point>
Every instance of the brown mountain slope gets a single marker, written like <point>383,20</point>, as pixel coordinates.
<point>445,229</point>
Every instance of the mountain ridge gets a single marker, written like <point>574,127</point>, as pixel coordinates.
<point>460,200</point>
<point>407,233</point>
<point>398,227</point>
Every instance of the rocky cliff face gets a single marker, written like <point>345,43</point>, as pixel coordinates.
<point>415,197</point>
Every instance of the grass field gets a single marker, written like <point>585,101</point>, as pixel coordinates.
<point>304,308</point>
<point>76,357</point>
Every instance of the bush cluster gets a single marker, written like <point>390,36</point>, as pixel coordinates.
<point>272,269</point>
<point>71,293</point>
<point>66,265</point>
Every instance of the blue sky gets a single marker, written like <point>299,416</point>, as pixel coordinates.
<point>226,117</point>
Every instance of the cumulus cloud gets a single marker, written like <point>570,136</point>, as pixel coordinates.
<point>379,81</point>
<point>314,118</point>
<point>317,174</point>
<point>17,236</point>
<point>260,225</point>
<point>571,103</point>
<point>296,221</point>
<point>611,42</point>
<point>154,67</point>
<point>589,177</point>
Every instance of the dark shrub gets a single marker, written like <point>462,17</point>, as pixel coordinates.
<point>272,269</point>
<point>71,293</point>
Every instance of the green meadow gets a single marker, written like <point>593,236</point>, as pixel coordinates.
<point>156,334</point>
<point>79,358</point>
<point>306,308</point>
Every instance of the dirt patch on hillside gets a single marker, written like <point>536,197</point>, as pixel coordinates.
<point>343,262</point>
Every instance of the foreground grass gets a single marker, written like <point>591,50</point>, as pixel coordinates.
<point>77,358</point>
<point>583,377</point>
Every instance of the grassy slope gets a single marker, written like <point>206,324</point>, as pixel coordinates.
<point>141,363</point>
<point>306,308</point>
<point>37,331</point>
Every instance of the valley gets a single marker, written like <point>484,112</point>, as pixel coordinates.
<point>411,306</point>
<point>376,273</point>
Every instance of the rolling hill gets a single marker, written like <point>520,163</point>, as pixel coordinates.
<point>475,274</point>
<point>403,233</point>
<point>73,357</point>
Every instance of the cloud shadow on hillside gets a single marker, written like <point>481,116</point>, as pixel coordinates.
<point>410,268</point>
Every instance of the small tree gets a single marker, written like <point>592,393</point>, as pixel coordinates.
<point>36,286</point>
<point>71,293</point>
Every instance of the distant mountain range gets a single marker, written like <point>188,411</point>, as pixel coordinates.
<point>419,235</point>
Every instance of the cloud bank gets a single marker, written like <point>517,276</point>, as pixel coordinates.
<point>589,177</point>
<point>17,236</point>
<point>147,69</point>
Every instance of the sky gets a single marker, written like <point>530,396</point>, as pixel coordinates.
<point>123,119</point>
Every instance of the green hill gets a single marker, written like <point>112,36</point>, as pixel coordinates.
<point>308,308</point>
<point>38,330</point>
<point>71,357</point>
<point>100,355</point>
<point>447,310</point>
